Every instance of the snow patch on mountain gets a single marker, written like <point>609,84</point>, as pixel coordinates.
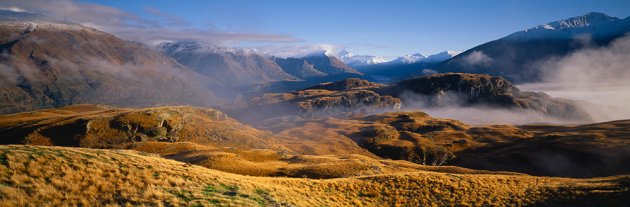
<point>194,47</point>
<point>409,59</point>
<point>359,60</point>
<point>594,23</point>
<point>439,57</point>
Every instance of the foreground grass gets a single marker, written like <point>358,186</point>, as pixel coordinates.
<point>38,176</point>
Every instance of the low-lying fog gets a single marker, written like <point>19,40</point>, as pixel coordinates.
<point>597,78</point>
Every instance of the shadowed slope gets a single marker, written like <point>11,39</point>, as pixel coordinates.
<point>47,65</point>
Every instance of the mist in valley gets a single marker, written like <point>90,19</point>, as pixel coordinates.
<point>598,79</point>
<point>453,105</point>
<point>595,79</point>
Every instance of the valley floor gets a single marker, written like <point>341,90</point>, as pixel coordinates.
<point>53,176</point>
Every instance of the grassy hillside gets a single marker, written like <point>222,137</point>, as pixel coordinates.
<point>38,176</point>
<point>592,150</point>
<point>328,147</point>
<point>97,126</point>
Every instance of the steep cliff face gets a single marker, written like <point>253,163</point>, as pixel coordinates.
<point>51,65</point>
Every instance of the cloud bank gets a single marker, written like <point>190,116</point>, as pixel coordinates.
<point>477,58</point>
<point>160,27</point>
<point>597,77</point>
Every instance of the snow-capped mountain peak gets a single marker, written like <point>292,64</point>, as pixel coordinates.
<point>197,47</point>
<point>439,57</point>
<point>595,23</point>
<point>592,18</point>
<point>359,60</point>
<point>409,59</point>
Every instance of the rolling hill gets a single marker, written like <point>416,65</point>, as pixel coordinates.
<point>338,145</point>
<point>77,176</point>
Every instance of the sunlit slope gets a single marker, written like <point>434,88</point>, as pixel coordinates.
<point>330,147</point>
<point>78,176</point>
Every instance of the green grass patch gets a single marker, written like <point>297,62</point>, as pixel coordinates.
<point>3,159</point>
<point>262,192</point>
<point>215,201</point>
<point>230,190</point>
<point>209,190</point>
<point>185,195</point>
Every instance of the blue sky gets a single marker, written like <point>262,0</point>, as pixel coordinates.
<point>385,28</point>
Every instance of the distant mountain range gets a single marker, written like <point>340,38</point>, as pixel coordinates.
<point>231,67</point>
<point>47,63</point>
<point>247,68</point>
<point>361,61</point>
<point>519,56</point>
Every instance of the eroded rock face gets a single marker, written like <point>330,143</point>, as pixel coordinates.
<point>362,100</point>
<point>347,84</point>
<point>350,95</point>
<point>473,88</point>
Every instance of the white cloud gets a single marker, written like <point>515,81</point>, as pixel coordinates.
<point>477,58</point>
<point>132,27</point>
<point>12,8</point>
<point>299,50</point>
<point>596,77</point>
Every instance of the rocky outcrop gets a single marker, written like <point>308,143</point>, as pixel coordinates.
<point>473,88</point>
<point>462,89</point>
<point>347,84</point>
<point>353,100</point>
<point>349,95</point>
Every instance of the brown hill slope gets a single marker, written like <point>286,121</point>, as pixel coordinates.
<point>199,136</point>
<point>589,150</point>
<point>78,176</point>
<point>51,65</point>
<point>575,151</point>
<point>352,144</point>
<point>107,127</point>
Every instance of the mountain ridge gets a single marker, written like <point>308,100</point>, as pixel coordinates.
<point>84,65</point>
<point>519,56</point>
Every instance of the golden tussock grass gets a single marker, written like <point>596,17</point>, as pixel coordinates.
<point>37,176</point>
